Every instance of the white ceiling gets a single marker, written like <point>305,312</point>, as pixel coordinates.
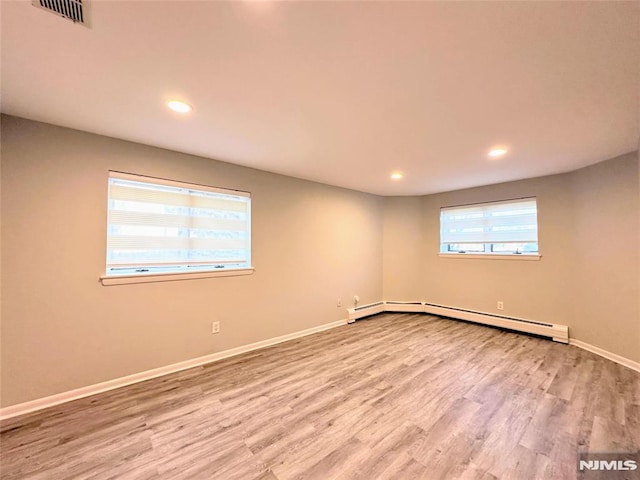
<point>341,92</point>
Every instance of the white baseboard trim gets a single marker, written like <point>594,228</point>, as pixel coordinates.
<point>57,399</point>
<point>625,362</point>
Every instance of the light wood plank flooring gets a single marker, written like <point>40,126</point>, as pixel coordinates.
<point>392,397</point>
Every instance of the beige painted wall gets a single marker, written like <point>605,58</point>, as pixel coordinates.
<point>61,329</point>
<point>403,245</point>
<point>312,244</point>
<point>585,279</point>
<point>536,290</point>
<point>607,301</point>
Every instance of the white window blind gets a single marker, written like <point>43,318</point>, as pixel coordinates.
<point>511,221</point>
<point>162,226</point>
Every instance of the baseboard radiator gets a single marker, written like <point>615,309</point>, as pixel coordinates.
<point>365,311</point>
<point>559,333</point>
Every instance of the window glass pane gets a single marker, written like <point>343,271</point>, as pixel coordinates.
<point>514,247</point>
<point>509,227</point>
<point>465,247</point>
<point>170,226</point>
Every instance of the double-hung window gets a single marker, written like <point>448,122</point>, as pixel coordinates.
<point>163,227</point>
<point>498,228</point>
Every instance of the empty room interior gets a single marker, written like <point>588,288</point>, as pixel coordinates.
<point>319,240</point>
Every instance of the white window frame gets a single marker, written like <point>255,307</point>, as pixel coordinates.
<point>483,232</point>
<point>121,271</point>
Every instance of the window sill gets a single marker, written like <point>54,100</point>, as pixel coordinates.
<point>168,277</point>
<point>492,256</point>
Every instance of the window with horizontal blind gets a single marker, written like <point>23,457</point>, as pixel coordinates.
<point>500,228</point>
<point>158,226</point>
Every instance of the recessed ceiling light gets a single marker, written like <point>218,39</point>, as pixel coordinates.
<point>396,176</point>
<point>178,106</point>
<point>497,152</point>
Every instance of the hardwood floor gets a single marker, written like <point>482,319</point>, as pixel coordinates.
<point>392,397</point>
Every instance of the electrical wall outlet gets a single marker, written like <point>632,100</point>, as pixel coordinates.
<point>500,305</point>
<point>339,303</point>
<point>356,299</point>
<point>215,327</point>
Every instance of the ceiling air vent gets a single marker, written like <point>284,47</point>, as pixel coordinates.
<point>74,10</point>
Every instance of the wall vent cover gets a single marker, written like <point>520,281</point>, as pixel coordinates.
<point>74,10</point>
